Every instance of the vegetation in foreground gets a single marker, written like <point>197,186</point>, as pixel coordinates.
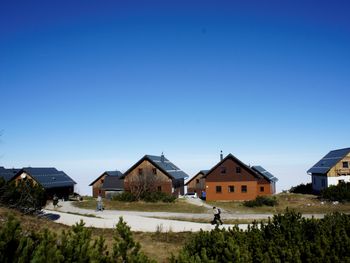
<point>285,238</point>
<point>74,245</point>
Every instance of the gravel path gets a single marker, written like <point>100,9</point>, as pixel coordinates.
<point>69,214</point>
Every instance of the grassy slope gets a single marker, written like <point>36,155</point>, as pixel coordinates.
<point>306,204</point>
<point>178,206</point>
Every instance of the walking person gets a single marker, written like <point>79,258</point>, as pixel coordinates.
<point>99,203</point>
<point>217,217</point>
<point>55,200</point>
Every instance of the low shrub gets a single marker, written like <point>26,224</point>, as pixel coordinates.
<point>340,192</point>
<point>260,201</point>
<point>302,189</point>
<point>124,197</point>
<point>153,197</point>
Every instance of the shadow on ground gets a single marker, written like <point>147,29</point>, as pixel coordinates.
<point>50,216</point>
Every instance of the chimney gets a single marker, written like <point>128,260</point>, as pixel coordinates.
<point>221,156</point>
<point>162,158</point>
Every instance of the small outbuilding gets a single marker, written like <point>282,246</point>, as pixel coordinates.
<point>114,183</point>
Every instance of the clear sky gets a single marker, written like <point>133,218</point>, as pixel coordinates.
<point>89,86</point>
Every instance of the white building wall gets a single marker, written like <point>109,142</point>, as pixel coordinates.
<point>335,180</point>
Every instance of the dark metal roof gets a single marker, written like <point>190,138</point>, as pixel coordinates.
<point>163,164</point>
<point>114,173</point>
<point>168,166</point>
<point>328,161</point>
<point>49,177</point>
<point>7,174</point>
<point>113,183</point>
<point>264,173</point>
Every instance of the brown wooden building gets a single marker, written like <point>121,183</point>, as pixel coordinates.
<point>231,179</point>
<point>197,183</point>
<point>98,183</point>
<point>53,181</point>
<point>155,173</point>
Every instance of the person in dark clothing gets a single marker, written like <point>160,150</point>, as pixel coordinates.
<point>217,217</point>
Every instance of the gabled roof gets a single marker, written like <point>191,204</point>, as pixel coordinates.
<point>108,173</point>
<point>7,174</point>
<point>230,156</point>
<point>203,172</point>
<point>328,161</point>
<point>264,173</point>
<point>49,177</point>
<point>163,164</point>
<point>113,183</point>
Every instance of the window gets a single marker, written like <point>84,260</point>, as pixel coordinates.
<point>238,170</point>
<point>102,181</point>
<point>244,189</point>
<point>218,188</point>
<point>159,188</point>
<point>154,170</point>
<point>345,165</point>
<point>140,171</point>
<point>197,181</point>
<point>262,189</point>
<point>223,170</point>
<point>231,188</point>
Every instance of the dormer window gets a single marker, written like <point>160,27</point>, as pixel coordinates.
<point>345,164</point>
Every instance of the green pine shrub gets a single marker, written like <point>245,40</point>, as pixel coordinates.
<point>125,197</point>
<point>261,201</point>
<point>339,192</point>
<point>74,245</point>
<point>302,189</point>
<point>284,238</point>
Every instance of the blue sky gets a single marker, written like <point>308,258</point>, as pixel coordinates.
<point>91,86</point>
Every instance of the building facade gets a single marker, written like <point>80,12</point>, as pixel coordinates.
<point>155,173</point>
<point>333,168</point>
<point>231,179</point>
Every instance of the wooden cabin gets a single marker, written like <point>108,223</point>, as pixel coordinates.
<point>155,173</point>
<point>53,181</point>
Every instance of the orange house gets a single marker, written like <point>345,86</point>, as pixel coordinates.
<point>231,179</point>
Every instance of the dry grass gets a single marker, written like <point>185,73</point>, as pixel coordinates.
<point>157,246</point>
<point>180,206</point>
<point>307,204</point>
